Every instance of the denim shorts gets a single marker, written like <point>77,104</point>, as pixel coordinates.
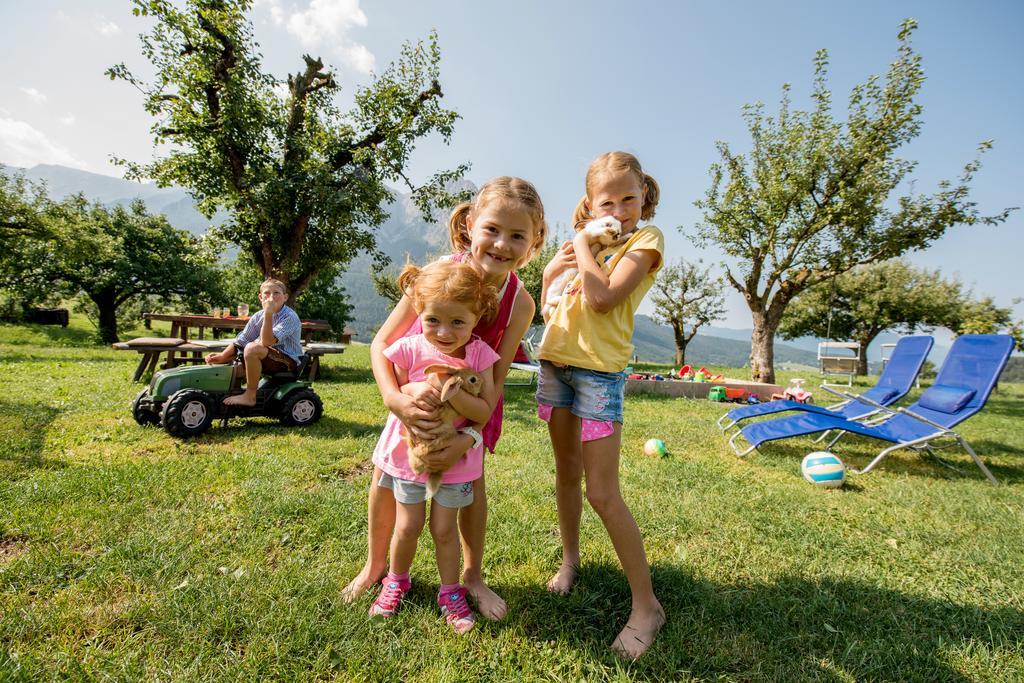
<point>413,492</point>
<point>589,394</point>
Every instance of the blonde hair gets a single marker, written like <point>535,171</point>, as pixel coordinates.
<point>275,283</point>
<point>613,163</point>
<point>448,280</point>
<point>502,188</point>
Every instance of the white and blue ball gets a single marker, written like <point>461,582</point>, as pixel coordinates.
<point>823,469</point>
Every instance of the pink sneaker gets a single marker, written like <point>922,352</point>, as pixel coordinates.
<point>391,594</point>
<point>456,610</point>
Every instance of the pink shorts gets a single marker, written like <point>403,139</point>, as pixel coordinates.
<point>590,430</point>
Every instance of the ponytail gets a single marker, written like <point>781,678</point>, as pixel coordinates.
<point>458,229</point>
<point>651,197</point>
<point>581,215</point>
<point>407,279</point>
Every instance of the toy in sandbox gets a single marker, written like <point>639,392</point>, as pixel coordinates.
<point>795,392</point>
<point>186,400</point>
<point>685,374</point>
<point>691,382</point>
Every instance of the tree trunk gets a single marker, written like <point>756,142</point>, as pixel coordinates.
<point>107,306</point>
<point>865,341</point>
<point>681,341</point>
<point>862,358</point>
<point>762,348</point>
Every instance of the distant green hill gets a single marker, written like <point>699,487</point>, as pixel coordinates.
<point>654,343</point>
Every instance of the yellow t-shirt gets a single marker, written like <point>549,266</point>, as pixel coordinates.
<point>578,335</point>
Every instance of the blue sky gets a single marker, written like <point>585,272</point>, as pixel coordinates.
<point>543,87</point>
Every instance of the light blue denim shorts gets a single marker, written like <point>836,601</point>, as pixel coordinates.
<point>412,492</point>
<point>589,394</point>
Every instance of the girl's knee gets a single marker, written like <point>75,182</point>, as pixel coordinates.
<point>568,479</point>
<point>408,528</point>
<point>603,500</point>
<point>444,531</point>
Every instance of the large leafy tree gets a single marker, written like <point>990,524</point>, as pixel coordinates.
<point>302,181</point>
<point>686,297</point>
<point>24,209</point>
<point>868,300</point>
<point>112,257</point>
<point>814,197</point>
<point>982,316</point>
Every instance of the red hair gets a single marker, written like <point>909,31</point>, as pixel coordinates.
<point>448,280</point>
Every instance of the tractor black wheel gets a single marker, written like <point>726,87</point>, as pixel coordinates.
<point>188,412</point>
<point>301,408</point>
<point>142,414</point>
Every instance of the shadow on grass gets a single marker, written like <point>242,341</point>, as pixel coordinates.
<point>337,373</point>
<point>23,428</point>
<point>258,426</point>
<point>859,452</point>
<point>791,629</point>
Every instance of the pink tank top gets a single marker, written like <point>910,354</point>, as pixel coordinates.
<point>491,333</point>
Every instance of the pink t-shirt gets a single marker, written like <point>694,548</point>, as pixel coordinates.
<point>414,354</point>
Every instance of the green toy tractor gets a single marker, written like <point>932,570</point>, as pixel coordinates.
<point>186,400</point>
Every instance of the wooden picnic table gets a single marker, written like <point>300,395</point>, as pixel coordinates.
<point>150,348</point>
<point>179,348</point>
<point>182,322</point>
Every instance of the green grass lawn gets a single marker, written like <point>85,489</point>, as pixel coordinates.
<point>125,553</point>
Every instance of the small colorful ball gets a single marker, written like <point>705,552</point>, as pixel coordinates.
<point>823,469</point>
<point>655,448</point>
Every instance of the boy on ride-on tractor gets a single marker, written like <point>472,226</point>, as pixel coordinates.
<point>271,341</point>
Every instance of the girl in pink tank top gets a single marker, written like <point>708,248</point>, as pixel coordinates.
<point>501,230</point>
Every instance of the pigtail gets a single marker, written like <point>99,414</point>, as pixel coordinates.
<point>651,197</point>
<point>487,301</point>
<point>539,238</point>
<point>458,227</point>
<point>581,215</point>
<point>407,281</point>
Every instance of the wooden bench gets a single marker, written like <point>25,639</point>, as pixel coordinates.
<point>152,347</point>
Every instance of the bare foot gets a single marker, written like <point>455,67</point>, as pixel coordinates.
<point>488,603</point>
<point>561,582</point>
<point>639,633</point>
<point>245,399</point>
<point>363,581</point>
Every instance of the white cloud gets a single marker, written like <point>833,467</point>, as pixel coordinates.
<point>356,56</point>
<point>34,95</point>
<point>62,16</point>
<point>68,120</point>
<point>107,27</point>
<point>323,21</point>
<point>23,145</point>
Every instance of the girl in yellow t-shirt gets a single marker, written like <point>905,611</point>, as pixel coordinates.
<point>586,347</point>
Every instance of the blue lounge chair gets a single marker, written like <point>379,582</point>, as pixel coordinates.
<point>894,383</point>
<point>960,390</point>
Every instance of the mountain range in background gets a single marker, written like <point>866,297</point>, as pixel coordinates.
<point>406,234</point>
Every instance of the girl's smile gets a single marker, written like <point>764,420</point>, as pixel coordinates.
<point>501,235</point>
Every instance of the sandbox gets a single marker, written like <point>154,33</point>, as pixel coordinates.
<point>698,389</point>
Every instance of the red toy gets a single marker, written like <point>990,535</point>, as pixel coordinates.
<point>795,392</point>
